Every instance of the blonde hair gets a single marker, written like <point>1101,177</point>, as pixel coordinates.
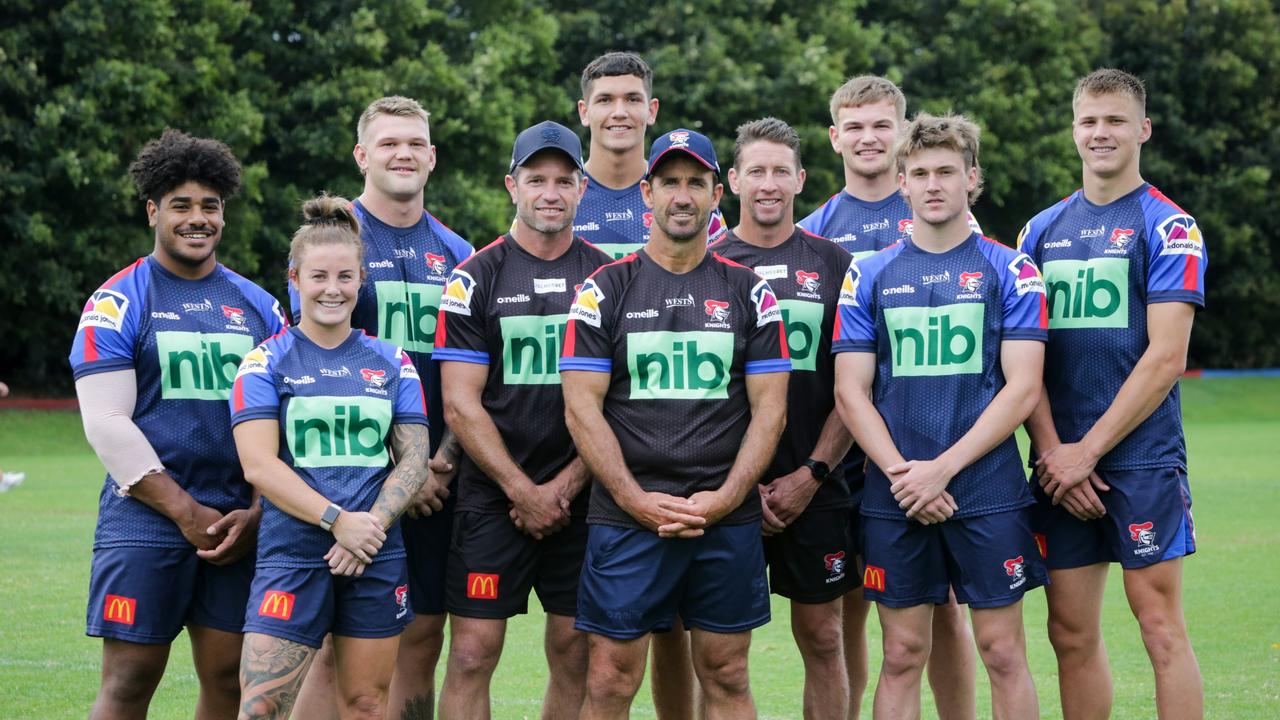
<point>864,90</point>
<point>1109,81</point>
<point>397,105</point>
<point>953,132</point>
<point>327,220</point>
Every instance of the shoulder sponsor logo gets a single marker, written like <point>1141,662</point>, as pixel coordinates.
<point>165,316</point>
<point>338,431</point>
<point>404,253</point>
<point>679,365</point>
<point>881,224</point>
<point>1119,241</point>
<point>402,601</point>
<point>205,306</point>
<point>1144,534</point>
<point>766,303</point>
<point>586,306</point>
<point>256,362</point>
<point>457,293</point>
<point>1026,275</point>
<point>849,287</point>
<point>873,578</point>
<point>1088,293</point>
<point>771,272</point>
<point>624,216</point>
<point>587,227</point>
<point>936,341</point>
<point>342,372</point>
<point>903,289</point>
<point>1058,244</point>
<point>808,281</point>
<point>549,285</point>
<point>407,368</point>
<point>1093,232</point>
<point>531,347</point>
<point>277,604</point>
<point>120,609</point>
<point>482,586</point>
<point>1181,236</point>
<point>105,309</point>
<point>199,366</point>
<point>304,380</point>
<point>686,301</point>
<point>1015,568</point>
<point>510,299</point>
<point>436,263</point>
<point>944,276</point>
<point>382,264</point>
<point>646,314</point>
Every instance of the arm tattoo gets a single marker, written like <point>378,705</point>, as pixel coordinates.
<point>411,444</point>
<point>450,450</point>
<point>271,673</point>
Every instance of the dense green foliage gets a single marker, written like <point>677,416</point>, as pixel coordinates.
<point>85,83</point>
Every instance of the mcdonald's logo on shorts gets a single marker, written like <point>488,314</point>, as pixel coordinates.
<point>276,604</point>
<point>482,586</point>
<point>873,578</point>
<point>120,609</point>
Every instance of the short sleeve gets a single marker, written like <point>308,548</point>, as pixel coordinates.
<point>766,337</point>
<point>254,395</point>
<point>855,329</point>
<point>108,329</point>
<point>1025,311</point>
<point>460,332</point>
<point>411,406</point>
<point>1176,261</point>
<point>587,343</point>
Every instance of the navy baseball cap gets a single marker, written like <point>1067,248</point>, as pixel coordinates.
<point>542,136</point>
<point>694,144</point>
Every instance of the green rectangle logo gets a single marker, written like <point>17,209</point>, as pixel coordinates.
<point>679,365</point>
<point>803,319</point>
<point>531,348</point>
<point>199,366</point>
<point>407,313</point>
<point>1088,293</point>
<point>335,431</point>
<point>931,341</point>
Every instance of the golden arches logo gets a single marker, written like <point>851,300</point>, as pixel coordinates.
<point>873,578</point>
<point>482,586</point>
<point>277,604</point>
<point>120,609</point>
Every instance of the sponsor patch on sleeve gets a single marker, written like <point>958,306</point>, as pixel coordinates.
<point>849,288</point>
<point>586,306</point>
<point>457,294</point>
<point>105,309</point>
<point>254,362</point>
<point>1026,275</point>
<point>767,309</point>
<point>1180,235</point>
<point>407,370</point>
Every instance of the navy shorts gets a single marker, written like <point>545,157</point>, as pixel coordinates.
<point>426,547</point>
<point>634,582</point>
<point>493,566</point>
<point>1148,521</point>
<point>146,595</point>
<point>812,561</point>
<point>305,604</point>
<point>990,561</point>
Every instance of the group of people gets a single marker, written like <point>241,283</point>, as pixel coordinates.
<point>633,410</point>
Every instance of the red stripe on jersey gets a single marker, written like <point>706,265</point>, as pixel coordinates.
<point>835,332</point>
<point>1164,199</point>
<point>782,340</point>
<point>440,331</point>
<point>569,339</point>
<point>1191,274</point>
<point>125,271</point>
<point>728,262</point>
<point>237,395</point>
<point>1044,312</point>
<point>90,345</point>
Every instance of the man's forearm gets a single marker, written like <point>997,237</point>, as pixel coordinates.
<point>450,450</point>
<point>1040,426</point>
<point>759,444</point>
<point>1146,387</point>
<point>1007,410</point>
<point>162,493</point>
<point>572,478</point>
<point>482,442</point>
<point>412,444</point>
<point>598,448</point>
<point>833,442</point>
<point>869,431</point>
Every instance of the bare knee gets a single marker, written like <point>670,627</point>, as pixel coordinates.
<point>366,705</point>
<point>1162,634</point>
<point>725,675</point>
<point>567,652</point>
<point>132,683</point>
<point>905,654</point>
<point>610,680</point>
<point>1072,637</point>
<point>472,655</point>
<point>824,645</point>
<point>1004,655</point>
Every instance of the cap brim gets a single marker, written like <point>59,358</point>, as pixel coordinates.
<point>653,163</point>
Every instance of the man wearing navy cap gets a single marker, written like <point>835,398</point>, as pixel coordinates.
<point>675,381</point>
<point>520,523</point>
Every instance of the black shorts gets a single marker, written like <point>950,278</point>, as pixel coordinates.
<point>426,547</point>
<point>493,566</point>
<point>812,561</point>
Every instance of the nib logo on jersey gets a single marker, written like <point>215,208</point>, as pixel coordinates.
<point>1144,534</point>
<point>336,431</point>
<point>936,341</point>
<point>718,310</point>
<point>199,366</point>
<point>679,365</point>
<point>1091,293</point>
<point>803,321</point>
<point>834,563</point>
<point>1015,568</point>
<point>531,348</point>
<point>407,312</point>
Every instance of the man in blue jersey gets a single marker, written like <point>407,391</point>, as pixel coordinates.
<point>154,359</point>
<point>1124,267</point>
<point>408,257</point>
<point>941,342</point>
<point>869,214</point>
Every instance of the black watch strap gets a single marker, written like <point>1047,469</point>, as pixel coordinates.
<point>821,471</point>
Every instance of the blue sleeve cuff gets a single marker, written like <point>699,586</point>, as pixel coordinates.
<point>1025,333</point>
<point>101,366</point>
<point>852,346</point>
<point>756,367</point>
<point>409,419</point>
<point>446,354</point>
<point>603,365</point>
<point>265,412</point>
<point>1186,296</point>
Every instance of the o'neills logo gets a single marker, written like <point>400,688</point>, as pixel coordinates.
<point>482,586</point>
<point>276,604</point>
<point>120,609</point>
<point>1058,244</point>
<point>899,290</point>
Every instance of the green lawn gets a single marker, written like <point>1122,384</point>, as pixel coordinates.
<point>49,669</point>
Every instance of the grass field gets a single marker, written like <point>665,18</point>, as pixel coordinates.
<point>49,669</point>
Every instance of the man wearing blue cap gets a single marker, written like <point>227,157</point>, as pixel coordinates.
<point>675,381</point>
<point>520,523</point>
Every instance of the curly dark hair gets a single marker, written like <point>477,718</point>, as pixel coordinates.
<point>176,157</point>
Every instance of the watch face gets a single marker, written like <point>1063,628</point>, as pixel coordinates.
<point>819,468</point>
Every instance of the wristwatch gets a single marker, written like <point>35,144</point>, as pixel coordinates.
<point>821,471</point>
<point>330,516</point>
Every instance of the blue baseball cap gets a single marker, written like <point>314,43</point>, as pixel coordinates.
<point>694,144</point>
<point>543,136</point>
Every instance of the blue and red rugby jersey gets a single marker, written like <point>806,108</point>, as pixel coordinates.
<point>865,228</point>
<point>617,221</point>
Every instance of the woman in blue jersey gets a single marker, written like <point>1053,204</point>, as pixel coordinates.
<point>317,411</point>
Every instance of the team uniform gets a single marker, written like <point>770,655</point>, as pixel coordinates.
<point>336,409</point>
<point>678,349</point>
<point>612,219</point>
<point>865,228</point>
<point>506,308</point>
<point>1103,265</point>
<point>935,322</point>
<point>184,340</point>
<point>405,274</point>
<point>810,561</point>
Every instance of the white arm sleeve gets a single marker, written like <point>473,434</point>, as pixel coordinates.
<point>106,408</point>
